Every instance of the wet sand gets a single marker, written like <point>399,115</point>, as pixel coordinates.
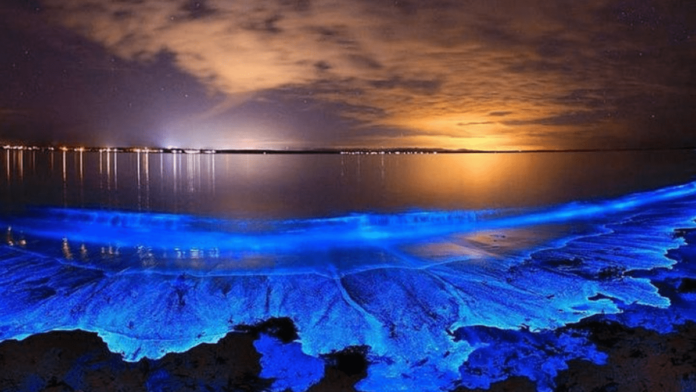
<point>639,360</point>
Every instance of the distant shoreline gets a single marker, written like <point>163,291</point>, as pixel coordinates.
<point>317,151</point>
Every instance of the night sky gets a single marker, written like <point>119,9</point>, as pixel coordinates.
<point>277,74</point>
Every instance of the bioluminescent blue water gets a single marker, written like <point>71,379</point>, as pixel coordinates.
<point>287,364</point>
<point>441,298</point>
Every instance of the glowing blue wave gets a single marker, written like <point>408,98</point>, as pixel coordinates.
<point>169,230</point>
<point>410,286</point>
<point>169,241</point>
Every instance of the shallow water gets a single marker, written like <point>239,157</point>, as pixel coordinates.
<point>426,259</point>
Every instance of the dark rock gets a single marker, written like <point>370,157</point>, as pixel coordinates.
<point>684,233</point>
<point>611,272</point>
<point>279,327</point>
<point>512,384</point>
<point>610,387</point>
<point>687,285</point>
<point>351,361</point>
<point>343,370</point>
<point>638,360</point>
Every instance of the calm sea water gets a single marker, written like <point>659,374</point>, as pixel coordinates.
<point>301,186</point>
<point>446,267</point>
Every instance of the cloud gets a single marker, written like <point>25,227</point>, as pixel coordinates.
<point>568,119</point>
<point>417,65</point>
<point>500,113</point>
<point>475,123</point>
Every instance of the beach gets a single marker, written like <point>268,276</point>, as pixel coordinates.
<point>639,360</point>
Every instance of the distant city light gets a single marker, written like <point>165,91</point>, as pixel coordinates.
<point>183,150</point>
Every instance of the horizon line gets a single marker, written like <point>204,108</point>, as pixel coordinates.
<point>322,150</point>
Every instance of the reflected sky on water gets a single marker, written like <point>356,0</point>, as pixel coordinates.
<point>300,186</point>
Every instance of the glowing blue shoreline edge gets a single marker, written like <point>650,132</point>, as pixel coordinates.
<point>169,230</point>
<point>352,310</point>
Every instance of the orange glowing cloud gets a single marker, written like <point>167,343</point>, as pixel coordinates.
<point>480,75</point>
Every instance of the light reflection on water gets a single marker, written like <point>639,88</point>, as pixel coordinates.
<point>263,214</point>
<point>505,245</point>
<point>337,246</point>
<point>299,186</point>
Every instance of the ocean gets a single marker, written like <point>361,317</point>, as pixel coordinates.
<point>435,262</point>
